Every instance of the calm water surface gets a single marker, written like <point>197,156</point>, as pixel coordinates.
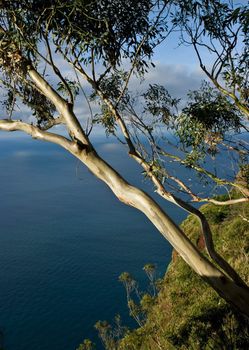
<point>64,240</point>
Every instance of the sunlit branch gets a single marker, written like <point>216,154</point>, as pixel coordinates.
<point>244,218</point>
<point>35,132</point>
<point>52,122</point>
<point>63,107</point>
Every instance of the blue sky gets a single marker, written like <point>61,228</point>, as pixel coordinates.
<point>177,68</point>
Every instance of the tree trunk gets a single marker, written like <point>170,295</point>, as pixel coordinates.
<point>130,195</point>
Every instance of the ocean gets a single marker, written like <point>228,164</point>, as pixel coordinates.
<point>64,241</point>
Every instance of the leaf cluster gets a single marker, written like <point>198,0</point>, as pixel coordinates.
<point>108,29</point>
<point>111,89</point>
<point>206,119</point>
<point>159,103</point>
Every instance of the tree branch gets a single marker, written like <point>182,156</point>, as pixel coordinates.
<point>63,107</point>
<point>201,170</point>
<point>57,71</point>
<point>35,132</point>
<point>52,122</point>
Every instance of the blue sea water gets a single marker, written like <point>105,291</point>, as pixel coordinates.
<point>64,240</point>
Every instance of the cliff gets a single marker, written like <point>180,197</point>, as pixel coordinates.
<point>188,314</point>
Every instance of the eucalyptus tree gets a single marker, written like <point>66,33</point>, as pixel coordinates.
<point>99,40</point>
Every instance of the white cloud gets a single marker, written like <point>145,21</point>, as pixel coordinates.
<point>177,78</point>
<point>109,147</point>
<point>23,153</point>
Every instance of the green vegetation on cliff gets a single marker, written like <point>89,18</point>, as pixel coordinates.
<point>187,313</point>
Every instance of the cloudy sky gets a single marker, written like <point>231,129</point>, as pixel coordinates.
<point>176,68</point>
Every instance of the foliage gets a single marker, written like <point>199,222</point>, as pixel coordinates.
<point>106,29</point>
<point>139,304</point>
<point>243,175</point>
<point>206,119</point>
<point>159,103</point>
<point>86,345</point>
<point>106,119</point>
<point>111,88</point>
<point>73,85</point>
